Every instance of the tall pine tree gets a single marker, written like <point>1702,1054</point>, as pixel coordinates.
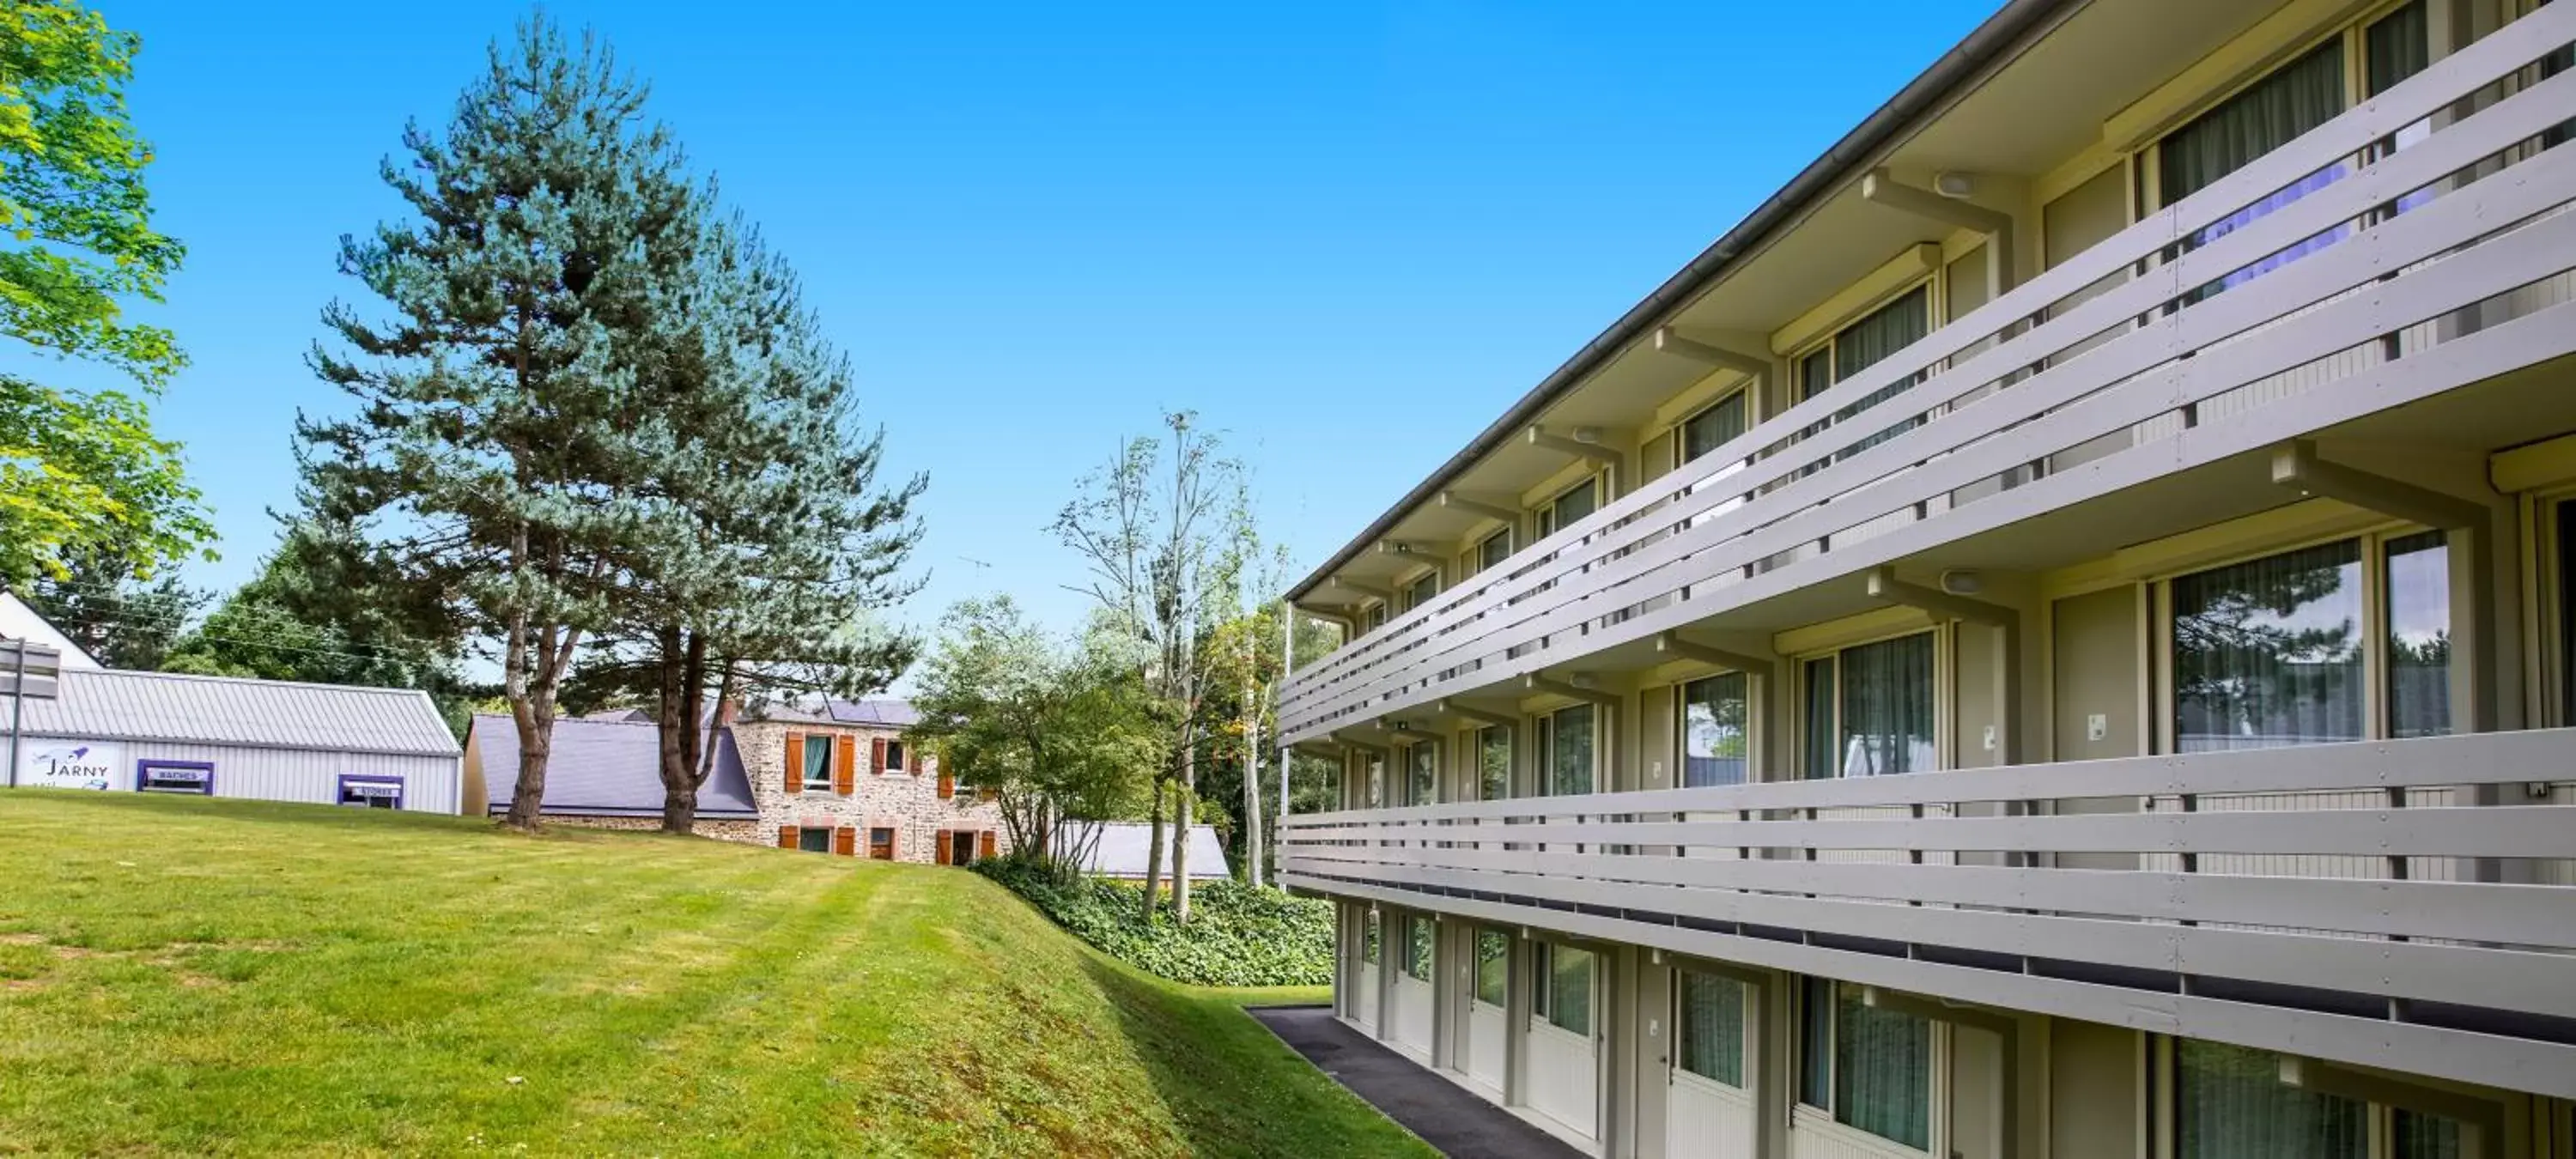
<point>480,473</point>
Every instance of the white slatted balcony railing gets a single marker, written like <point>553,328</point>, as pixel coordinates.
<point>2318,308</point>
<point>2440,939</point>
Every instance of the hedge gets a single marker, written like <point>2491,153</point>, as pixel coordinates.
<point>1236,936</point>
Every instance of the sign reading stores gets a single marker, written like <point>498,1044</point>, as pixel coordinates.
<point>68,764</point>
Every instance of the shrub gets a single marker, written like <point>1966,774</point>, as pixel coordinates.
<point>1236,936</point>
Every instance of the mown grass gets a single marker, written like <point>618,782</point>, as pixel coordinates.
<point>229,977</point>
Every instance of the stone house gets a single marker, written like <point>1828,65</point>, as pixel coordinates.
<point>836,778</point>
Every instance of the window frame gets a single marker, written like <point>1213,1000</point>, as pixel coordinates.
<point>1420,936</point>
<point>1543,987</point>
<point>1746,1048</point>
<point>1546,770</point>
<point>2163,1118</point>
<point>1944,700</point>
<point>340,796</point>
<point>202,785</point>
<point>1543,516</point>
<point>805,778</point>
<point>1503,534</point>
<point>814,839</point>
<point>1802,997</point>
<point>1511,757</point>
<point>894,757</point>
<point>1477,963</point>
<point>1413,788</point>
<point>2372,542</point>
<point>1935,305</point>
<point>1681,726</point>
<point>889,844</point>
<point>1370,929</point>
<point>1415,596</point>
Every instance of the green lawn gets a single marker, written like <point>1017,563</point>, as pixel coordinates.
<point>186,975</point>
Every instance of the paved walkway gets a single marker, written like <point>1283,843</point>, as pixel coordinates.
<point>1442,1112</point>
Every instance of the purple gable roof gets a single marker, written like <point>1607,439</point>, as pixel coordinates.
<point>880,712</point>
<point>605,768</point>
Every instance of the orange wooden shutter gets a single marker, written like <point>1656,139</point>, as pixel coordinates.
<point>876,754</point>
<point>947,786</point>
<point>845,841</point>
<point>984,844</point>
<point>795,761</point>
<point>787,837</point>
<point>939,846</point>
<point>844,754</point>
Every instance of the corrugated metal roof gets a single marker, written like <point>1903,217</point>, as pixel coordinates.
<point>1121,849</point>
<point>880,712</point>
<point>113,704</point>
<point>605,768</point>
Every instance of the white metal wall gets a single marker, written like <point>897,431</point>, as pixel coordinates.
<point>431,784</point>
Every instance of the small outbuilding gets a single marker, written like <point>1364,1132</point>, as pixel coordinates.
<point>273,740</point>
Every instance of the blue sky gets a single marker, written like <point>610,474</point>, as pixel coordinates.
<point>1347,234</point>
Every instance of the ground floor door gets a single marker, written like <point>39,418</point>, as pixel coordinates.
<point>1488,1047</point>
<point>1562,1049</point>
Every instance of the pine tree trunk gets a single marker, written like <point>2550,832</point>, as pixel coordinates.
<point>1153,851</point>
<point>536,723</point>
<point>682,675</point>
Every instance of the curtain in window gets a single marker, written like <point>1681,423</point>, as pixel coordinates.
<point>1494,763</point>
<point>2419,636</point>
<point>1569,758</point>
<point>2302,95</point>
<point>1712,1027</point>
<point>1493,966</point>
<point>1890,328</point>
<point>2230,1103</point>
<point>1882,1071</point>
<point>1710,429</point>
<point>1495,549</point>
<point>1887,708</point>
<point>2396,47</point>
<point>1816,1042</point>
<point>1422,591</point>
<point>1819,759</point>
<point>1422,774</point>
<point>1713,736</point>
<point>1572,506</point>
<point>2416,1135</point>
<point>2269,652</point>
<point>818,760</point>
<point>1569,984</point>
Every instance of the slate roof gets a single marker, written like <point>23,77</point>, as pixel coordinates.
<point>114,704</point>
<point>876,712</point>
<point>605,768</point>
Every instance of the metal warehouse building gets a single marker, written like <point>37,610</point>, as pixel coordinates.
<point>158,732</point>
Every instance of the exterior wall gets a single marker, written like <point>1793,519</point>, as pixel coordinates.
<point>431,784</point>
<point>721,829</point>
<point>909,803</point>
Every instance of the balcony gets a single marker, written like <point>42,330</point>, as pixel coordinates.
<point>2403,251</point>
<point>2368,903</point>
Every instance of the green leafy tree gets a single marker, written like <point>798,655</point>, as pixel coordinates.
<point>1162,528</point>
<point>483,474</point>
<point>122,622</point>
<point>1060,732</point>
<point>294,621</point>
<point>82,476</point>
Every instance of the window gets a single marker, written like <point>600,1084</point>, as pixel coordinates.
<point>1368,938</point>
<point>176,777</point>
<point>2230,1101</point>
<point>961,845</point>
<point>1852,349</point>
<point>1569,507</point>
<point>1421,590</point>
<point>1712,427</point>
<point>1709,1022</point>
<point>1417,947</point>
<point>1564,997</point>
<point>894,756</point>
<point>370,792</point>
<point>2274,651</point>
<point>1422,773</point>
<point>1713,731</point>
<point>818,761</point>
<point>1870,1068</point>
<point>1494,549</point>
<point>2271,112</point>
<point>1868,710</point>
<point>1493,967</point>
<point>1565,736</point>
<point>812,839</point>
<point>1493,763</point>
<point>881,843</point>
<point>1374,618</point>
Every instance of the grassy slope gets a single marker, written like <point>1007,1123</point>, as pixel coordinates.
<point>225,976</point>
